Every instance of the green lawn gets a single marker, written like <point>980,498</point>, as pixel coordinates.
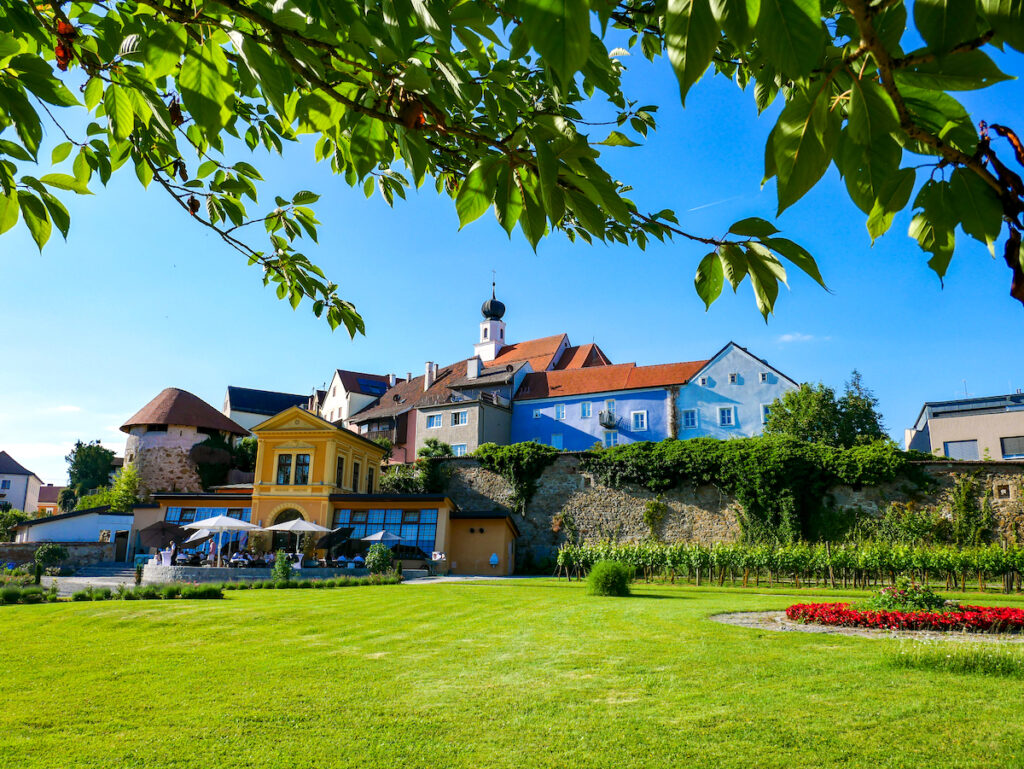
<point>498,674</point>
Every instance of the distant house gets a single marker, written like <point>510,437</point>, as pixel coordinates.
<point>248,407</point>
<point>726,396</point>
<point>95,524</point>
<point>469,402</point>
<point>350,392</point>
<point>48,496</point>
<point>971,428</point>
<point>19,487</point>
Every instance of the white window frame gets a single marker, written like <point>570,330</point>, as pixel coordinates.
<point>731,411</point>
<point>463,416</point>
<point>586,409</point>
<point>613,435</point>
<point>696,420</point>
<point>560,443</point>
<point>632,421</point>
<point>609,406</point>
<point>764,377</point>
<point>536,413</point>
<point>459,449</point>
<point>765,409</point>
<point>431,418</point>
<point>734,378</point>
<point>703,381</point>
<point>559,412</point>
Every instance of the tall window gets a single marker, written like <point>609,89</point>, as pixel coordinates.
<point>369,481</point>
<point>339,474</point>
<point>734,378</point>
<point>689,419</point>
<point>559,411</point>
<point>301,469</point>
<point>459,449</point>
<point>284,469</point>
<point>556,441</point>
<point>434,420</point>
<point>485,333</point>
<point>611,438</point>
<point>725,416</point>
<point>766,411</point>
<point>460,418</point>
<point>5,484</point>
<point>639,420</point>
<point>609,406</point>
<point>585,410</point>
<point>355,478</point>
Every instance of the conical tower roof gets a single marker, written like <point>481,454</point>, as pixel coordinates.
<point>180,407</point>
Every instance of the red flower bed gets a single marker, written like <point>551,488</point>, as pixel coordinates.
<point>974,619</point>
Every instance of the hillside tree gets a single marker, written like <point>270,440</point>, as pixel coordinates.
<point>89,466</point>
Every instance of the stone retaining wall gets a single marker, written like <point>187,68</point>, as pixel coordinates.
<point>153,574</point>
<point>79,553</point>
<point>566,493</point>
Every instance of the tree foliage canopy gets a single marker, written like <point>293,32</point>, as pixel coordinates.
<point>89,466</point>
<point>488,100</point>
<point>814,414</point>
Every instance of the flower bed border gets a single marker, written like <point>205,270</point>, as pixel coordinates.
<point>970,619</point>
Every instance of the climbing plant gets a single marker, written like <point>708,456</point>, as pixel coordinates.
<point>521,464</point>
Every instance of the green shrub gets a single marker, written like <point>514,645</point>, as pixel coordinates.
<point>904,597</point>
<point>82,595</point>
<point>608,578</point>
<point>50,554</point>
<point>147,592</point>
<point>282,571</point>
<point>305,583</point>
<point>378,558</point>
<point>33,594</point>
<point>170,591</point>
<point>202,591</point>
<point>103,594</point>
<point>10,594</point>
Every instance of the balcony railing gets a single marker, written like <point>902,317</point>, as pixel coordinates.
<point>607,418</point>
<point>373,435</point>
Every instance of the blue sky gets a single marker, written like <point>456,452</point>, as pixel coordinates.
<point>139,298</point>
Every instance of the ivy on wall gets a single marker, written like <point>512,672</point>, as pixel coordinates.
<point>521,464</point>
<point>781,483</point>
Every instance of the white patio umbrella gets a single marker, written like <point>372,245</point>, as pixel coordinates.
<point>200,536</point>
<point>219,524</point>
<point>297,526</point>
<point>383,536</point>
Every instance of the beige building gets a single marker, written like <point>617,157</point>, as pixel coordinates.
<point>990,428</point>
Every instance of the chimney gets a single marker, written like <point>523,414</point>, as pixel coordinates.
<point>473,368</point>
<point>391,380</point>
<point>429,372</point>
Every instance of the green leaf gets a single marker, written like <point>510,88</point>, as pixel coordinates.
<point>892,198</point>
<point>764,279</point>
<point>36,219</point>
<point>1007,20</point>
<point>508,201</point>
<point>734,264</point>
<point>945,23</point>
<point>865,168</point>
<point>978,206</point>
<point>560,32</point>
<point>65,182</point>
<point>934,228</point>
<point>369,145</point>
<point>798,255</point>
<point>942,115</point>
<point>709,279</point>
<point>143,172</point>
<point>302,197</point>
<point>8,211</point>
<point>93,93</point>
<point>617,139</point>
<point>433,17</point>
<point>803,141</point>
<point>273,78</point>
<point>119,111</point>
<point>476,192</point>
<point>791,34</point>
<point>58,214</point>
<point>206,87</point>
<point>965,71</point>
<point>691,35</point>
<point>871,112</point>
<point>61,152</point>
<point>736,18</point>
<point>547,165</point>
<point>753,227</point>
<point>533,220</point>
<point>162,48</point>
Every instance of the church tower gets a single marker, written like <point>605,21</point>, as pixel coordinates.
<point>492,329</point>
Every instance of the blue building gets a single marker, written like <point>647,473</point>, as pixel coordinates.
<point>726,396</point>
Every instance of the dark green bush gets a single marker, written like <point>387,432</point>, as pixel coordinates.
<point>170,591</point>
<point>202,591</point>
<point>609,578</point>
<point>147,592</point>
<point>82,595</point>
<point>10,594</point>
<point>32,595</point>
<point>103,594</point>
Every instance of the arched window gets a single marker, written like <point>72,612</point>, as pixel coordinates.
<point>285,540</point>
<point>485,332</point>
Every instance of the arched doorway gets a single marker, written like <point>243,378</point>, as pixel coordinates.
<point>285,540</point>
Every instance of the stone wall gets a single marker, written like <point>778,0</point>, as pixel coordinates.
<point>166,468</point>
<point>565,493</point>
<point>79,553</point>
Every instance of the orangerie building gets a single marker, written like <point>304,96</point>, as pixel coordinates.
<point>307,467</point>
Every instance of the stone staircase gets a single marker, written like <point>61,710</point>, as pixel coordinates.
<point>111,569</point>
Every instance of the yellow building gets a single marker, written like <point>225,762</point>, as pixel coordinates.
<point>309,468</point>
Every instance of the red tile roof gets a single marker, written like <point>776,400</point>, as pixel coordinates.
<point>583,356</point>
<point>48,494</point>
<point>180,407</point>
<point>598,379</point>
<point>539,352</point>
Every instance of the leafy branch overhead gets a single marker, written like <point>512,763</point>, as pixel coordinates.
<point>487,100</point>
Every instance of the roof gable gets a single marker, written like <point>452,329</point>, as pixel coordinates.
<point>8,466</point>
<point>733,347</point>
<point>583,356</point>
<point>539,352</point>
<point>294,418</point>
